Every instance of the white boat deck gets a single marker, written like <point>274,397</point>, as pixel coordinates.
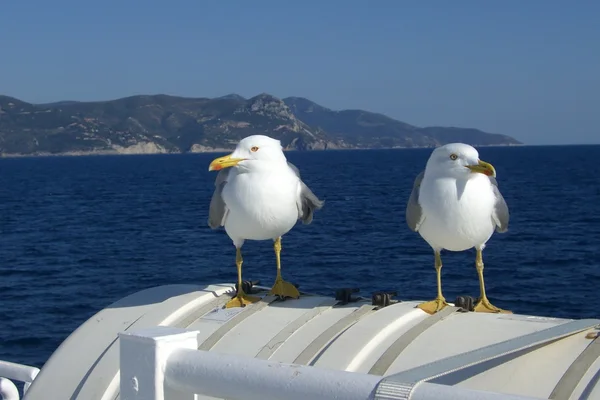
<point>520,355</point>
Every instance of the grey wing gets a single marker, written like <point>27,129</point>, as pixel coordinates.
<point>308,203</point>
<point>217,208</point>
<point>294,168</point>
<point>501,215</point>
<point>414,212</point>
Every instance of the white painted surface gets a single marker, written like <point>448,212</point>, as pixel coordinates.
<point>460,333</point>
<point>18,372</point>
<point>431,391</point>
<point>158,361</point>
<point>254,333</point>
<point>363,343</point>
<point>292,348</point>
<point>590,383</point>
<point>8,390</point>
<point>92,351</point>
<point>546,364</point>
<point>144,359</point>
<point>244,378</point>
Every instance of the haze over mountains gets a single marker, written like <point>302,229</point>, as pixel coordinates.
<point>169,124</point>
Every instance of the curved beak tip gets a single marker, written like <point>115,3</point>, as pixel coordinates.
<point>483,167</point>
<point>223,162</point>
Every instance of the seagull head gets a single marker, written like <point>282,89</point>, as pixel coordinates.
<point>458,160</point>
<point>252,151</point>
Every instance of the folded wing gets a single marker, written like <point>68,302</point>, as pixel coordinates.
<point>414,212</point>
<point>307,202</point>
<point>501,216</point>
<point>217,209</point>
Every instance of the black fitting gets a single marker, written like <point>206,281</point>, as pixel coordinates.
<point>467,303</point>
<point>344,295</point>
<point>247,286</point>
<point>383,298</point>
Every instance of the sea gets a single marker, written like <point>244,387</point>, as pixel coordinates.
<point>79,233</point>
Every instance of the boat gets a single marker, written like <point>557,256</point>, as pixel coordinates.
<point>179,342</point>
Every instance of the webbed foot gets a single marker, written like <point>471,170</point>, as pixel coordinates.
<point>484,305</point>
<point>284,289</point>
<point>241,300</point>
<point>433,306</point>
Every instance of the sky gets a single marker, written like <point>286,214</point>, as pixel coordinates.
<point>528,69</point>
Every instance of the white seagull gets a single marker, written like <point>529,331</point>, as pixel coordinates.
<point>455,205</point>
<point>260,196</point>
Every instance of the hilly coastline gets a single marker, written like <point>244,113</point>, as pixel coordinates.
<point>148,124</point>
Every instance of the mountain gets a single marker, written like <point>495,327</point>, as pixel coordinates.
<point>364,129</point>
<point>169,124</point>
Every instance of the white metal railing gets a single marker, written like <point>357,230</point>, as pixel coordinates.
<point>8,390</point>
<point>164,363</point>
<point>15,372</point>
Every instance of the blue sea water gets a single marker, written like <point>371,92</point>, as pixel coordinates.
<point>78,233</point>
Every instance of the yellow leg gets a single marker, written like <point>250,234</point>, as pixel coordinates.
<point>241,299</point>
<point>484,305</point>
<point>436,305</point>
<point>282,288</point>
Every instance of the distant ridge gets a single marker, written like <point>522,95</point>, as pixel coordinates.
<point>170,124</point>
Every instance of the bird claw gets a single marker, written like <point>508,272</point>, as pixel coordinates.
<point>484,305</point>
<point>433,306</point>
<point>284,289</point>
<point>241,300</point>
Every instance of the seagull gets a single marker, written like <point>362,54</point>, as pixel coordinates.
<point>455,205</point>
<point>259,196</point>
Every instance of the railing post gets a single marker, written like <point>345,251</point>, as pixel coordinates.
<point>19,372</point>
<point>8,390</point>
<point>143,356</point>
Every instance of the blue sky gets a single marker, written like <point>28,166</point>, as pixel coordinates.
<point>530,69</point>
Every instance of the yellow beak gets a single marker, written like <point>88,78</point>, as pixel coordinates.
<point>224,162</point>
<point>483,168</point>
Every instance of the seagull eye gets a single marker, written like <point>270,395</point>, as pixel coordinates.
<point>453,156</point>
<point>254,149</point>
